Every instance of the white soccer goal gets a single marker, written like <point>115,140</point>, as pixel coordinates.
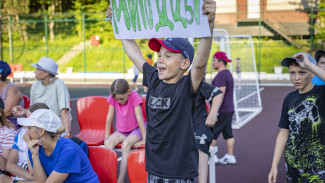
<point>247,99</point>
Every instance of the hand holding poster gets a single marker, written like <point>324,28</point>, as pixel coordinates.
<point>138,19</point>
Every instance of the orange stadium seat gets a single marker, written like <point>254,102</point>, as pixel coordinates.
<point>26,101</point>
<point>92,112</point>
<point>136,167</point>
<point>104,163</point>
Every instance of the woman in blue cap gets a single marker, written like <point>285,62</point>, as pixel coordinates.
<point>9,93</point>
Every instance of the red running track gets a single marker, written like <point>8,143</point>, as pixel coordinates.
<point>254,143</point>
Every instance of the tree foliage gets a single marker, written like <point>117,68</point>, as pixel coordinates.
<point>320,25</point>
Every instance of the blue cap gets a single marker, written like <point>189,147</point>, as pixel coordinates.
<point>179,45</point>
<point>5,69</point>
<point>285,61</point>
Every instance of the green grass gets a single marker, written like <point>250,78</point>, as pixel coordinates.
<point>106,58</point>
<point>109,56</point>
<point>30,52</point>
<point>273,52</point>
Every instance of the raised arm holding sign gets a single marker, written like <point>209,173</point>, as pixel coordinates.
<point>171,151</point>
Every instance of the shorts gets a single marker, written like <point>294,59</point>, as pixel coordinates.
<point>223,125</point>
<point>136,132</point>
<point>135,78</point>
<point>155,179</point>
<point>203,137</point>
<point>303,176</point>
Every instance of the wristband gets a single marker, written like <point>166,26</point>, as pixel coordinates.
<point>65,134</point>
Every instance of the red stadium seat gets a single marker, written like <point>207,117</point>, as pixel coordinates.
<point>119,146</point>
<point>104,163</point>
<point>92,112</point>
<point>143,106</point>
<point>26,101</point>
<point>207,106</point>
<point>136,167</point>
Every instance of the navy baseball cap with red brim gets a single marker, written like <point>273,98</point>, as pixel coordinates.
<point>178,45</point>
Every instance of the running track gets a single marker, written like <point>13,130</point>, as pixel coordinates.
<point>254,143</point>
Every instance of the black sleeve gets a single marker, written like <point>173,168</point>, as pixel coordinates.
<point>189,88</point>
<point>284,119</point>
<point>150,74</point>
<point>209,91</point>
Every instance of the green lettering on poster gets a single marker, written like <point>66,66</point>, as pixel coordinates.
<point>197,11</point>
<point>134,15</point>
<point>145,6</point>
<point>150,17</point>
<point>163,18</point>
<point>118,12</point>
<point>177,13</point>
<point>189,9</point>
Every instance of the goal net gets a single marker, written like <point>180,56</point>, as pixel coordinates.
<point>247,99</point>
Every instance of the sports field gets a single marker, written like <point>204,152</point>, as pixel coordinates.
<point>254,142</point>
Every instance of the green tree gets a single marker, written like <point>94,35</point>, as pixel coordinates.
<point>14,8</point>
<point>320,26</point>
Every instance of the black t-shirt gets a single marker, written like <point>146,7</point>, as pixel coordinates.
<point>206,92</point>
<point>171,150</point>
<point>303,115</point>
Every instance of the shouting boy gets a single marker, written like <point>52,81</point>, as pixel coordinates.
<point>171,151</point>
<point>302,125</point>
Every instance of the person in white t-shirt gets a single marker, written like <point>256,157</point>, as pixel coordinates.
<point>51,91</point>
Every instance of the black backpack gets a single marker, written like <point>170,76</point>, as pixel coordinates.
<point>82,144</point>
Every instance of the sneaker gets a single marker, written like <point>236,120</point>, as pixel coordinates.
<point>228,159</point>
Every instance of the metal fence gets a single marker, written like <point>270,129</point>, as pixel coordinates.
<point>84,42</point>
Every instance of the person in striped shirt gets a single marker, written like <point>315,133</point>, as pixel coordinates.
<point>7,137</point>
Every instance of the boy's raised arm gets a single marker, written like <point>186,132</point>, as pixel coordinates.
<point>134,53</point>
<point>305,63</point>
<point>130,46</point>
<point>203,50</point>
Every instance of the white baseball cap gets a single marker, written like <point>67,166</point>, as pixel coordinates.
<point>47,64</point>
<point>42,118</point>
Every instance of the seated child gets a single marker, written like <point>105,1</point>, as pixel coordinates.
<point>130,126</point>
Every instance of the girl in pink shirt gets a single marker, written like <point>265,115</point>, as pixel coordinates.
<point>130,126</point>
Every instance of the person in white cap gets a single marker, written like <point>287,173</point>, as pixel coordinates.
<point>17,162</point>
<point>53,158</point>
<point>49,90</point>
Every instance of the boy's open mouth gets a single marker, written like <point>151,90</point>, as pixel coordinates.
<point>161,69</point>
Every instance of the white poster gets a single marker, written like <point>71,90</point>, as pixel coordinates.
<point>138,19</point>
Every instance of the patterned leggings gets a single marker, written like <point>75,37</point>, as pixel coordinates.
<point>155,179</point>
<point>305,176</point>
